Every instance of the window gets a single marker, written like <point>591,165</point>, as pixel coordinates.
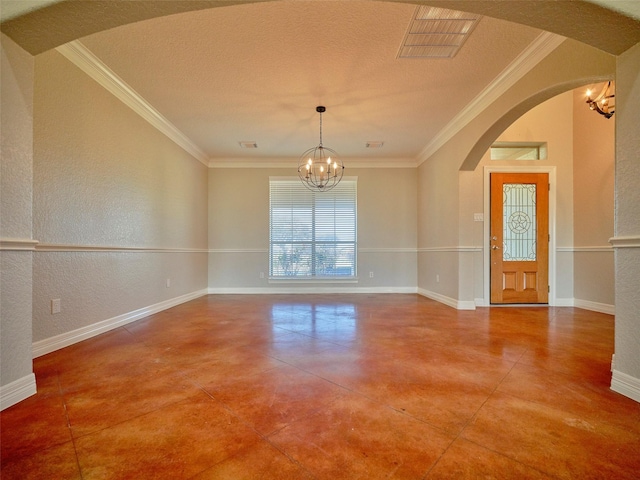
<point>519,151</point>
<point>312,235</point>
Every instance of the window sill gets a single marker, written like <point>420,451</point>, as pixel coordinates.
<point>315,280</point>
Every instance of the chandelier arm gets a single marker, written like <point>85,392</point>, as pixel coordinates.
<point>600,104</point>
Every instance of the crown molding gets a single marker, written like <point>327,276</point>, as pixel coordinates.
<point>243,162</point>
<point>542,46</point>
<point>78,54</point>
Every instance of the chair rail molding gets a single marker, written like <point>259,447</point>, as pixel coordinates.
<point>18,244</point>
<point>627,241</point>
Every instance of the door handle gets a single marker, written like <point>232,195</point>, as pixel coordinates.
<point>495,247</point>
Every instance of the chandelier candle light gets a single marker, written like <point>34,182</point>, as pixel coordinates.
<point>320,168</point>
<point>603,104</point>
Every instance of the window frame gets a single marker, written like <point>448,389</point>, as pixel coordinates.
<point>313,200</point>
<point>529,151</point>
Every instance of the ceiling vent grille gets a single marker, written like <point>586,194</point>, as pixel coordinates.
<point>248,144</point>
<point>437,33</point>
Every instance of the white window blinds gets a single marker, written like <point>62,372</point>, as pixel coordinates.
<point>312,234</point>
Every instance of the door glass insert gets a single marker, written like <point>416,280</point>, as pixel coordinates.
<point>519,222</point>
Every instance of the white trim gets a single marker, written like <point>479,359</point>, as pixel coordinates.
<point>480,302</point>
<point>561,302</point>
<point>450,249</point>
<point>564,302</point>
<point>595,306</point>
<point>18,390</point>
<point>387,250</point>
<point>312,280</point>
<point>18,244</point>
<point>596,249</point>
<point>238,250</point>
<point>57,342</point>
<point>52,247</point>
<point>307,290</point>
<point>628,241</point>
<point>551,170</point>
<point>360,250</point>
<point>252,162</point>
<point>451,302</point>
<point>626,385</point>
<point>542,46</point>
<point>85,60</point>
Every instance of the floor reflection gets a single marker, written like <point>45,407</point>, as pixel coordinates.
<point>323,321</point>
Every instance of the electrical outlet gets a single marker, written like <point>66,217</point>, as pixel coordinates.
<point>478,217</point>
<point>168,282</point>
<point>56,306</point>
<point>261,274</point>
<point>437,278</point>
<point>370,274</point>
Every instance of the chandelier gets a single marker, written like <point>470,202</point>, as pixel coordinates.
<point>320,168</point>
<point>603,103</point>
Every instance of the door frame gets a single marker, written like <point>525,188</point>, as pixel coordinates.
<point>486,248</point>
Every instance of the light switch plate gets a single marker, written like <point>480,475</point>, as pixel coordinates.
<point>56,306</point>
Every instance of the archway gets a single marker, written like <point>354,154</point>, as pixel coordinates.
<point>60,22</point>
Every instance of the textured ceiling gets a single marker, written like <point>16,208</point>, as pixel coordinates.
<point>256,71</point>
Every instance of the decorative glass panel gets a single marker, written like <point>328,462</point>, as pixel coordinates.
<point>519,222</point>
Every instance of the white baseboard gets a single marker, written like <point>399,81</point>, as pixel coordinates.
<point>16,391</point>
<point>307,290</point>
<point>451,302</point>
<point>42,347</point>
<point>563,302</point>
<point>481,303</point>
<point>626,385</point>
<point>595,306</point>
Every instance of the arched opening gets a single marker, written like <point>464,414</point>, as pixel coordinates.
<point>580,157</point>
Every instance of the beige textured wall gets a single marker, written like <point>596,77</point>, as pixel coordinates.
<point>594,169</point>
<point>105,177</point>
<point>627,221</point>
<point>239,229</point>
<point>16,91</point>
<point>437,222</point>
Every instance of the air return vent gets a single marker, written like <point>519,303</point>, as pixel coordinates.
<point>437,33</point>
<point>248,144</point>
